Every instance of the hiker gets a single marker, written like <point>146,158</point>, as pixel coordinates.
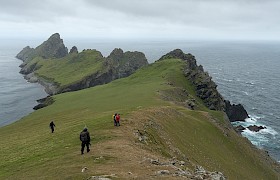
<point>118,119</point>
<point>114,118</point>
<point>52,125</point>
<point>85,138</point>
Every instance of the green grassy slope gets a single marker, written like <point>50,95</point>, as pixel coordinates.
<point>29,150</point>
<point>69,69</point>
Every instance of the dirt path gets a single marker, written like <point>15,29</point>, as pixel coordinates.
<point>125,157</point>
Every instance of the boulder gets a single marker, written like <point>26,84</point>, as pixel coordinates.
<point>162,172</point>
<point>74,49</point>
<point>255,128</point>
<point>44,102</point>
<point>239,129</point>
<point>235,112</point>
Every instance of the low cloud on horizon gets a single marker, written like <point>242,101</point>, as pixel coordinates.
<point>133,19</point>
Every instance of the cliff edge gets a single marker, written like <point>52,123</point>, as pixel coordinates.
<point>205,88</point>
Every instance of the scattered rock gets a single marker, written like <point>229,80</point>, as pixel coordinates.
<point>130,173</point>
<point>155,161</point>
<point>31,78</point>
<point>182,163</point>
<point>199,170</point>
<point>239,129</point>
<point>99,178</point>
<point>141,137</point>
<point>163,172</point>
<point>84,169</point>
<point>103,177</point>
<point>255,128</point>
<point>217,176</point>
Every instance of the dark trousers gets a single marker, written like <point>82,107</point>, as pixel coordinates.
<point>52,129</point>
<point>83,146</point>
<point>117,123</point>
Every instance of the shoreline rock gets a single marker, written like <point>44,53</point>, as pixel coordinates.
<point>256,128</point>
<point>44,102</point>
<point>239,129</point>
<point>235,112</point>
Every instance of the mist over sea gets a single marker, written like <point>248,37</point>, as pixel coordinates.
<point>245,72</point>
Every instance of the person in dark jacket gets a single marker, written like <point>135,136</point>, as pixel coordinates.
<point>85,138</point>
<point>52,125</point>
<point>114,118</point>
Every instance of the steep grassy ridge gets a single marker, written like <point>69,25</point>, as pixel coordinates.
<point>30,151</point>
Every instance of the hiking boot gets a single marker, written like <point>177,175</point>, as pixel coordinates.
<point>88,150</point>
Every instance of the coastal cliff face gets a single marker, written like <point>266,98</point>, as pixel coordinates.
<point>98,70</point>
<point>26,53</point>
<point>52,48</point>
<point>205,88</point>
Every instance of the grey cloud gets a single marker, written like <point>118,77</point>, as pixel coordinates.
<point>145,18</point>
<point>38,11</point>
<point>197,12</point>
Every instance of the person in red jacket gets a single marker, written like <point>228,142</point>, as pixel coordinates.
<point>118,119</point>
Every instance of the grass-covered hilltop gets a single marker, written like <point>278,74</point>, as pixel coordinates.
<point>174,122</point>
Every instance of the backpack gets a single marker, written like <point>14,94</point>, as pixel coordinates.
<point>84,136</point>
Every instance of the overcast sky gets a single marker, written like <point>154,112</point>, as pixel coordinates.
<point>144,19</point>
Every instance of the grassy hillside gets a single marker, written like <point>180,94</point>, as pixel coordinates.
<point>69,69</point>
<point>148,104</point>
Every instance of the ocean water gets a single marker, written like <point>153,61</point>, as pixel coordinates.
<point>245,72</point>
<point>17,97</point>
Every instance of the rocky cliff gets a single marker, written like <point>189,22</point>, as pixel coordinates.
<point>117,65</point>
<point>52,48</point>
<point>26,53</point>
<point>205,88</point>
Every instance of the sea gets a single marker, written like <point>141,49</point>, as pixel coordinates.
<point>246,72</point>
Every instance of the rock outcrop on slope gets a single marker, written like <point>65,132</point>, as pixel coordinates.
<point>74,49</point>
<point>236,112</point>
<point>26,53</point>
<point>125,63</point>
<point>117,65</point>
<point>205,88</point>
<point>52,48</point>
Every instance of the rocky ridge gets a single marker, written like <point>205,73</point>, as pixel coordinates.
<point>205,88</point>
